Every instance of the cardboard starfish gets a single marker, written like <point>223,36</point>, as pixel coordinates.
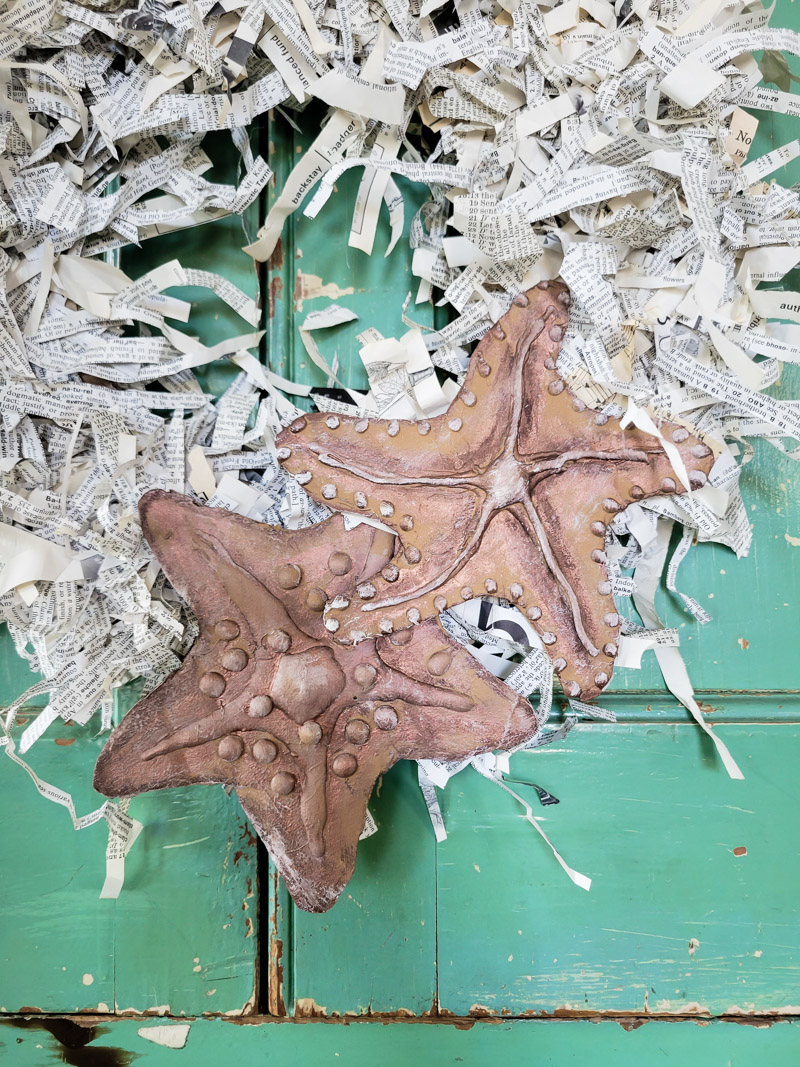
<point>507,494</point>
<point>267,703</point>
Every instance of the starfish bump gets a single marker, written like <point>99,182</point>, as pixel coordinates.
<point>508,493</point>
<point>268,703</point>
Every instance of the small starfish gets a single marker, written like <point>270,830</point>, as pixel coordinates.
<point>266,702</point>
<point>507,494</point>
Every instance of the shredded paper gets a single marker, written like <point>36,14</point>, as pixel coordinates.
<point>607,143</point>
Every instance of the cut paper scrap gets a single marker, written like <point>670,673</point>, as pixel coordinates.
<point>29,558</point>
<point>122,829</point>
<point>578,879</point>
<point>168,1035</point>
<point>324,318</point>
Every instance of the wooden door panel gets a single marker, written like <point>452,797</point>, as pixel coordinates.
<point>546,1043</point>
<point>183,934</point>
<point>375,951</point>
<point>181,937</point>
<point>678,918</point>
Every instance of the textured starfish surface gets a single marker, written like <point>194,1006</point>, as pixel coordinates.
<point>508,493</point>
<point>266,702</point>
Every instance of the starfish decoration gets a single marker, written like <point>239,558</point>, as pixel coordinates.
<point>268,703</point>
<point>506,494</point>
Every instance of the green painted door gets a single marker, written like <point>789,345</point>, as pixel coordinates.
<point>183,935</point>
<point>693,912</point>
<point>693,907</point>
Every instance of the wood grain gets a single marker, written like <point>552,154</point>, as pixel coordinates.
<point>40,1043</point>
<point>183,932</point>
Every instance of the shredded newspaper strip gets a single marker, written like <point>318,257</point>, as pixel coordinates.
<point>603,141</point>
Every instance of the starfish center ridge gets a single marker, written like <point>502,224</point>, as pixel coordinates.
<point>307,683</point>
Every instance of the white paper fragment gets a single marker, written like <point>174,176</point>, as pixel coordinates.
<point>370,826</point>
<point>170,1035</point>
<point>578,879</point>
<point>122,832</point>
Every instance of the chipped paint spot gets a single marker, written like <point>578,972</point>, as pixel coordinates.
<point>786,1009</point>
<point>275,261</point>
<point>88,979</point>
<point>758,953</point>
<point>692,1007</point>
<point>481,1010</point>
<point>183,844</point>
<point>740,850</point>
<point>743,643</point>
<point>694,945</point>
<point>794,541</point>
<point>274,294</point>
<point>158,1009</point>
<point>307,1008</point>
<point>311,286</point>
<point>170,1036</point>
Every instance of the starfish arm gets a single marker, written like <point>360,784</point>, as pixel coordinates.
<point>556,427</point>
<point>577,501</point>
<point>393,685</point>
<point>434,524</point>
<point>494,716</point>
<point>314,883</point>
<point>410,587</point>
<point>127,765</point>
<point>190,544</point>
<point>570,511</point>
<point>454,447</point>
<point>298,571</point>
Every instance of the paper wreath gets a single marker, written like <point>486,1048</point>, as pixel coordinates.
<point>300,713</point>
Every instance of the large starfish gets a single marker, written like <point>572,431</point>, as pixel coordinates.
<point>508,493</point>
<point>266,702</point>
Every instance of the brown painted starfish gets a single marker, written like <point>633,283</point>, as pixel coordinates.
<point>266,702</point>
<point>507,494</point>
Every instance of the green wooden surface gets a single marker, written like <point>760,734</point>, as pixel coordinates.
<point>183,934</point>
<point>418,924</point>
<point>372,1044</point>
<point>675,921</point>
<point>646,810</point>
